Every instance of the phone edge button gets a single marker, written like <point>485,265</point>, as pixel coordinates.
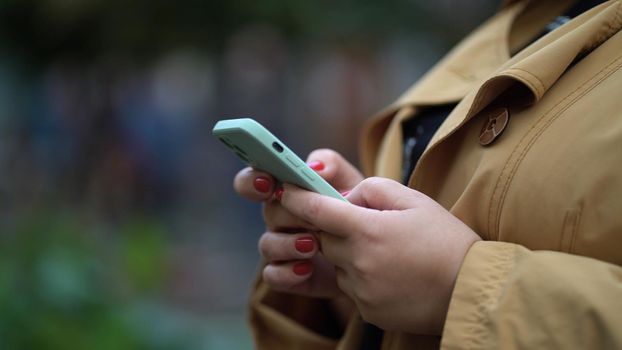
<point>292,161</point>
<point>306,173</point>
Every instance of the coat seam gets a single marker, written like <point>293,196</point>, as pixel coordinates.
<point>539,90</point>
<point>569,230</point>
<point>511,166</point>
<point>562,236</point>
<point>544,127</point>
<point>524,81</point>
<point>575,229</point>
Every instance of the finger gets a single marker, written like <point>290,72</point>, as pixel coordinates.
<point>284,277</point>
<point>254,185</point>
<point>384,194</point>
<point>344,282</point>
<point>280,219</point>
<point>275,246</point>
<point>336,249</point>
<point>335,169</point>
<point>326,213</point>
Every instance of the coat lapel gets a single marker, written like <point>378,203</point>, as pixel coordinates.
<point>528,75</point>
<point>449,81</point>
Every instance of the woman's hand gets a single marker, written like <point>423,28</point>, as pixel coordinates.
<point>397,251</point>
<point>289,246</point>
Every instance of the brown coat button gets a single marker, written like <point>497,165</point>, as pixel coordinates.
<point>495,124</point>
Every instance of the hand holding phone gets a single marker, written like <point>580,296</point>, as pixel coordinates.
<point>260,149</point>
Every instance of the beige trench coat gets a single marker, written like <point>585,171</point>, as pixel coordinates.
<point>545,194</point>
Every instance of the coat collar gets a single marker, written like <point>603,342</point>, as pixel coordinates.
<point>532,72</point>
<point>540,65</point>
<point>480,68</point>
<point>449,81</point>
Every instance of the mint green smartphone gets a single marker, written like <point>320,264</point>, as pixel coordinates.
<point>257,147</point>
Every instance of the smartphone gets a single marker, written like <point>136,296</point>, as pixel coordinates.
<point>260,149</point>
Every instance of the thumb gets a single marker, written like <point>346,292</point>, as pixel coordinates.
<point>383,194</point>
<point>335,169</point>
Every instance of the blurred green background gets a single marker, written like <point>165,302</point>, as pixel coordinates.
<point>119,228</point>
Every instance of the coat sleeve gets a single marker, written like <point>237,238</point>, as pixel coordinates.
<point>286,321</point>
<point>509,296</point>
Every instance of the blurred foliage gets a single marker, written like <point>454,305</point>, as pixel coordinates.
<point>62,287</point>
<point>143,253</point>
<point>41,29</point>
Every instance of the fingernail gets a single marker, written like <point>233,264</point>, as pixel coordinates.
<point>262,184</point>
<point>302,268</point>
<point>316,165</point>
<point>345,193</point>
<point>304,245</point>
<point>278,194</point>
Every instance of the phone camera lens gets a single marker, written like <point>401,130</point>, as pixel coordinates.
<point>277,147</point>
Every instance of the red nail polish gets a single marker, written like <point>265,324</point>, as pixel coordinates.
<point>303,268</point>
<point>345,193</point>
<point>262,184</point>
<point>316,165</point>
<point>304,245</point>
<point>278,194</point>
